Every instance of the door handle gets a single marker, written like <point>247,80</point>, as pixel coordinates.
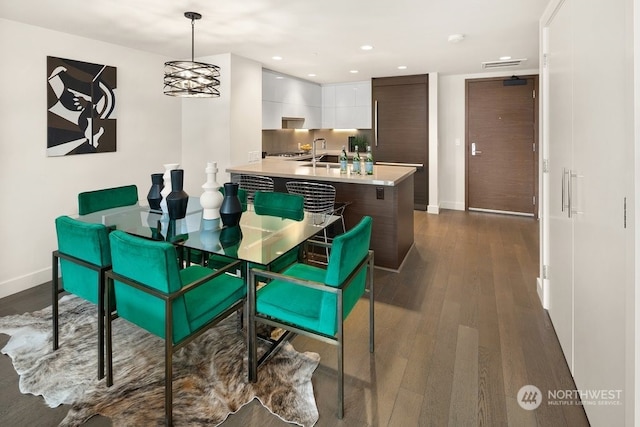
<point>474,152</point>
<point>573,178</point>
<point>375,119</point>
<point>565,173</point>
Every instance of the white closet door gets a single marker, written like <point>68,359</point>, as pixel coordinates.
<point>560,104</point>
<point>590,131</point>
<point>602,97</point>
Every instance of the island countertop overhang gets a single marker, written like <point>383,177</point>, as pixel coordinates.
<point>382,175</point>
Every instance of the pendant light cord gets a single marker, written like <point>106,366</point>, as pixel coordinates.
<point>192,38</point>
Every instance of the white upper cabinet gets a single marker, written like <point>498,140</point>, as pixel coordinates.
<point>286,96</point>
<point>346,105</point>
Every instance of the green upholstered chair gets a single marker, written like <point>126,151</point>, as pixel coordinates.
<point>284,205</point>
<point>177,305</point>
<point>313,301</point>
<point>97,200</point>
<point>84,255</point>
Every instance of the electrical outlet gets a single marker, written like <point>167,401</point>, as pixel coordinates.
<point>380,193</point>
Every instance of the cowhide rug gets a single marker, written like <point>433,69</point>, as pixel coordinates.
<point>209,374</point>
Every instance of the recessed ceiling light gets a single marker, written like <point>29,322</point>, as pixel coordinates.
<point>505,58</point>
<point>311,75</point>
<point>456,38</point>
<point>277,58</point>
<point>279,77</point>
<point>402,67</point>
<point>366,47</point>
<point>353,71</point>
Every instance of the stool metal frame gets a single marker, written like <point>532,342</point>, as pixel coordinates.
<point>253,183</point>
<point>319,199</point>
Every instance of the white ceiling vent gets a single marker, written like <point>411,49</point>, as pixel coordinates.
<point>506,63</point>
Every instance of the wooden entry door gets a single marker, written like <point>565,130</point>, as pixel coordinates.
<point>501,140</point>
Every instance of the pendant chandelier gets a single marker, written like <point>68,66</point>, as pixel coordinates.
<point>191,79</point>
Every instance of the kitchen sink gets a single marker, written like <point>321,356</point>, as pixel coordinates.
<point>323,165</point>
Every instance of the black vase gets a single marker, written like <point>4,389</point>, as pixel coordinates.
<point>155,196</point>
<point>178,198</point>
<point>231,208</point>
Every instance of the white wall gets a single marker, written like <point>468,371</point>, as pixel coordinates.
<point>35,189</point>
<point>451,129</point>
<point>434,145</point>
<point>633,364</point>
<point>224,129</point>
<point>246,108</point>
<point>205,130</point>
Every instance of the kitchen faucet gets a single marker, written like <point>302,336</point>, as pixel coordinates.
<point>313,150</point>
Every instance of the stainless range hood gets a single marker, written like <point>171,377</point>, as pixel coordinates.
<point>292,122</point>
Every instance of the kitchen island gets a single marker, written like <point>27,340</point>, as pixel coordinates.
<point>386,196</point>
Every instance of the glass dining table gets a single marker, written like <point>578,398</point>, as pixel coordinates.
<point>258,239</point>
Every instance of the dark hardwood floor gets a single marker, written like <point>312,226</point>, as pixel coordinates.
<point>458,332</point>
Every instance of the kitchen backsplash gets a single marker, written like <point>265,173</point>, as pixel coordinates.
<point>285,140</point>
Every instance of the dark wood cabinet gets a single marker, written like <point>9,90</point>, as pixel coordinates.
<point>400,118</point>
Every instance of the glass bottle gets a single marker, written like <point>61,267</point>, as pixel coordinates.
<point>343,161</point>
<point>356,162</point>
<point>368,162</point>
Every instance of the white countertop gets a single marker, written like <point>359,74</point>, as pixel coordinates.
<point>286,168</point>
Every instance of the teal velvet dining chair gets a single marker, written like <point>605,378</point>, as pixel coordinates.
<point>106,198</point>
<point>313,301</point>
<point>84,257</point>
<point>177,305</point>
<point>282,205</point>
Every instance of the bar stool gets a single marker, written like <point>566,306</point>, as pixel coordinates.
<point>253,183</point>
<point>318,198</point>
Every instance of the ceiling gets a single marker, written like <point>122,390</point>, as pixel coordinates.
<point>322,38</point>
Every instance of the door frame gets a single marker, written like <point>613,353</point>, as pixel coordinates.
<point>536,121</point>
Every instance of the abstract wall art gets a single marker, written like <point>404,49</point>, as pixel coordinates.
<point>81,100</point>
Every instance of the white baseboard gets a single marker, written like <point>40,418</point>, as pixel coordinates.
<point>456,206</point>
<point>541,286</point>
<point>433,209</point>
<point>22,283</point>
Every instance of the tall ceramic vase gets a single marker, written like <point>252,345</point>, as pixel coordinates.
<point>211,199</point>
<point>178,198</point>
<point>168,167</point>
<point>154,197</point>
<point>231,209</point>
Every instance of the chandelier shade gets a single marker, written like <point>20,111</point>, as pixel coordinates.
<point>191,79</point>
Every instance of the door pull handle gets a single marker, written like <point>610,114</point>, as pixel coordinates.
<point>375,124</point>
<point>564,205</point>
<point>474,152</point>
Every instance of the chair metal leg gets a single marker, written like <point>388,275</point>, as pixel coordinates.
<point>371,305</point>
<point>108,334</point>
<point>252,357</point>
<point>168,382</point>
<point>340,340</point>
<point>54,299</point>
<point>340,369</point>
<point>168,363</point>
<point>326,240</point>
<point>101,315</point>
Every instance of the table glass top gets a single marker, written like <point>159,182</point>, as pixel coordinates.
<point>259,238</point>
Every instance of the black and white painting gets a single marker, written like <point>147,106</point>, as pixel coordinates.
<point>81,100</point>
